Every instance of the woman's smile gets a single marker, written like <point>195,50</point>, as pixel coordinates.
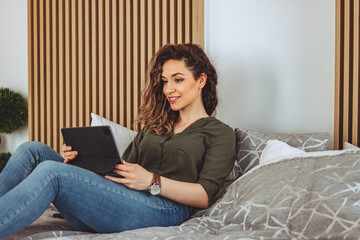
<point>173,100</point>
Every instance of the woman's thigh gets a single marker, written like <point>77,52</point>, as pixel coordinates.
<point>106,206</point>
<point>87,199</point>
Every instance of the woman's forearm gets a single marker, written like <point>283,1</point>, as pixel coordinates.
<point>192,194</point>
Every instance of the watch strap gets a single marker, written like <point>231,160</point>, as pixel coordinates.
<point>156,179</point>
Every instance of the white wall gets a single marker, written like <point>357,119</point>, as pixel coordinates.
<point>13,60</point>
<point>275,59</point>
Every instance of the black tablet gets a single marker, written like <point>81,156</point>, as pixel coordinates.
<point>96,147</point>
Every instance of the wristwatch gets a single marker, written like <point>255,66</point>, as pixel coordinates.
<point>155,185</point>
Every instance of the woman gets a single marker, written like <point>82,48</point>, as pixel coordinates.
<point>177,163</point>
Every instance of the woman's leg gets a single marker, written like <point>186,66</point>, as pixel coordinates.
<point>24,160</point>
<point>86,200</point>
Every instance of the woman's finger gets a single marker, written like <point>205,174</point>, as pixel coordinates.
<point>71,154</point>
<point>67,148</point>
<point>118,180</point>
<point>122,173</point>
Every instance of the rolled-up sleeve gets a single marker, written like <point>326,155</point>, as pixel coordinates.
<point>218,162</point>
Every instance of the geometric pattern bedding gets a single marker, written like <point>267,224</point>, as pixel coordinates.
<point>250,144</point>
<point>299,198</point>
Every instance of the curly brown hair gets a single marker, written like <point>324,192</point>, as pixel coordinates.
<point>155,113</point>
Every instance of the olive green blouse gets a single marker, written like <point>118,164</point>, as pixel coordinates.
<point>203,153</point>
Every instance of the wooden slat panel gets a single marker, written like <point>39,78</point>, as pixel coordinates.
<point>180,16</point>
<point>55,77</point>
<point>67,34</point>
<point>42,83</point>
<point>115,64</point>
<point>108,60</point>
<point>172,27</point>
<point>31,68</point>
<point>91,55</point>
<point>122,60</point>
<point>48,82</point>
<point>135,82</point>
<point>337,74</point>
<point>101,60</point>
<point>61,5</point>
<point>347,73</point>
<point>197,27</point>
<point>80,63</point>
<point>355,99</point>
<point>87,60</point>
<point>188,22</point>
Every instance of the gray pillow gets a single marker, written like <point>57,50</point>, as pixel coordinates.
<point>250,144</point>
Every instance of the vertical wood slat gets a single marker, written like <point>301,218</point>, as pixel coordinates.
<point>91,56</point>
<point>355,99</point>
<point>347,66</point>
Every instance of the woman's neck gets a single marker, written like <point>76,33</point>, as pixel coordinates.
<point>186,120</point>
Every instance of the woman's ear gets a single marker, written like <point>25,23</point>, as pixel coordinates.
<point>202,80</point>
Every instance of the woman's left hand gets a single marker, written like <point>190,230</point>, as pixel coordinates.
<point>135,176</point>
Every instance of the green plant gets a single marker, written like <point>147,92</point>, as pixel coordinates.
<point>4,157</point>
<point>13,110</point>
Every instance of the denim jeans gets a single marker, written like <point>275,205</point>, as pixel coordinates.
<point>35,176</point>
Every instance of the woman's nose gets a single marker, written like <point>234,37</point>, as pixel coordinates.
<point>169,88</point>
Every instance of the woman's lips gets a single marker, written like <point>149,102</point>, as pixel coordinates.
<point>172,100</point>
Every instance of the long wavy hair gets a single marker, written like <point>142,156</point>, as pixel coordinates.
<point>155,113</point>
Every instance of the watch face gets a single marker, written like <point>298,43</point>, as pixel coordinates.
<point>155,189</point>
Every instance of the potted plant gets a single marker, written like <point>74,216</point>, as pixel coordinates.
<point>13,115</point>
<point>4,157</point>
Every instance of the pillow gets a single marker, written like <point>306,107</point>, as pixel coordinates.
<point>276,151</point>
<point>349,146</point>
<point>123,136</point>
<point>250,144</point>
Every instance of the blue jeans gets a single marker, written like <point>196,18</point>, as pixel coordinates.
<point>35,176</point>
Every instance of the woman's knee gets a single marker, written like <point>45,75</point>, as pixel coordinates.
<point>32,147</point>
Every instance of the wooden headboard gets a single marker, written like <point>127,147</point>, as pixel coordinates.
<point>347,65</point>
<point>90,56</point>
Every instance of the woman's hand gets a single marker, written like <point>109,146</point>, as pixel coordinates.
<point>135,176</point>
<point>69,155</point>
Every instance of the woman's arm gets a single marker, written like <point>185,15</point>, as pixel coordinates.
<point>138,178</point>
<point>192,194</point>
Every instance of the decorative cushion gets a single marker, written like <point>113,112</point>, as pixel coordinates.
<point>123,136</point>
<point>250,144</point>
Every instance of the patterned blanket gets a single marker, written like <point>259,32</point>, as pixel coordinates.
<point>300,198</point>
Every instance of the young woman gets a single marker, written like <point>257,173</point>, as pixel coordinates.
<point>177,163</point>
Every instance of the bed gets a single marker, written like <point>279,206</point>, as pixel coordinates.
<point>298,197</point>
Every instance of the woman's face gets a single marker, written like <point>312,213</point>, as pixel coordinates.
<point>180,87</point>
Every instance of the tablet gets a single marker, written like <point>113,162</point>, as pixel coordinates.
<point>96,147</point>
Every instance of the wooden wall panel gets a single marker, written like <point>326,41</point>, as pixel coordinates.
<point>347,73</point>
<point>90,56</point>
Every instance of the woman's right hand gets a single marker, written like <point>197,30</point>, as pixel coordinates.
<point>69,155</point>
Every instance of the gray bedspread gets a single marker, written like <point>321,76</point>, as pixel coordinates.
<point>301,198</point>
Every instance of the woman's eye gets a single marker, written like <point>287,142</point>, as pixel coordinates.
<point>164,82</point>
<point>178,80</point>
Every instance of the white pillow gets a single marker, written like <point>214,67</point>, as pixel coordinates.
<point>276,151</point>
<point>123,136</point>
<point>350,146</point>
